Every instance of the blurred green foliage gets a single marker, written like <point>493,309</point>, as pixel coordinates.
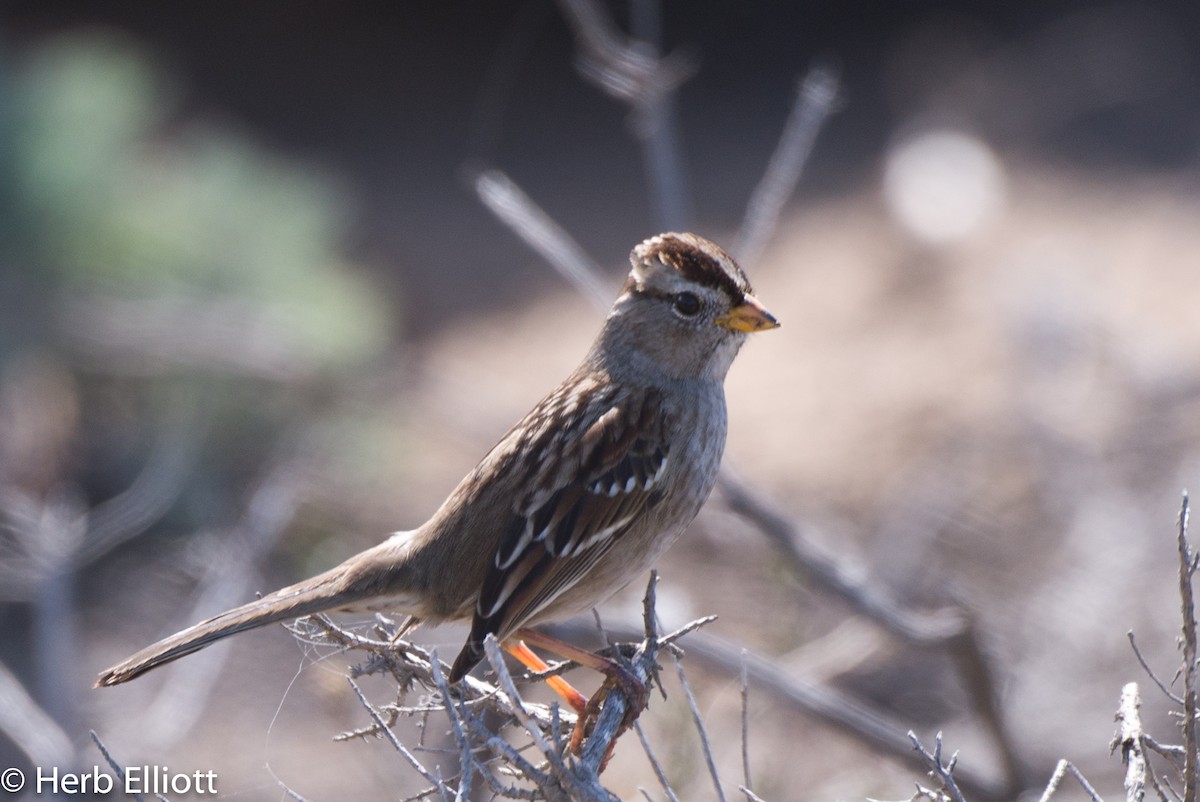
<point>174,273</point>
<point>117,195</point>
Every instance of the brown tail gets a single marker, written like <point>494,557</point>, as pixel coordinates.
<point>293,602</point>
<point>363,579</point>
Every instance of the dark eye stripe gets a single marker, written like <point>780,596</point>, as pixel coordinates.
<point>646,292</point>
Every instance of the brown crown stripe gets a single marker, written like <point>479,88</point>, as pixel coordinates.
<point>700,261</point>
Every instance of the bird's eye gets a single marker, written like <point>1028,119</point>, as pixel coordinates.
<point>687,304</point>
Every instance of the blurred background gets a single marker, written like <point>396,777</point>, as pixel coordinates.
<point>253,316</point>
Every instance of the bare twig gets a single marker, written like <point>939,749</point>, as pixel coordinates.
<point>570,783</point>
<point>815,97</point>
<point>1174,697</point>
<point>133,511</point>
<point>387,733</point>
<point>558,779</point>
<point>616,713</point>
<point>656,124</point>
<point>1064,768</point>
<point>291,794</point>
<point>29,727</point>
<point>1129,740</point>
<point>1165,794</point>
<point>950,629</point>
<point>549,741</point>
<point>1187,568</point>
<point>805,560</point>
<point>943,772</point>
<point>745,683</point>
<point>113,764</point>
<point>530,222</point>
<point>466,758</point>
<point>654,764</point>
<point>699,722</point>
<point>627,70</point>
<point>1168,751</point>
<point>632,71</point>
<point>826,704</point>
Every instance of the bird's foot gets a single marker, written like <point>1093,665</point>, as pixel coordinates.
<point>636,699</point>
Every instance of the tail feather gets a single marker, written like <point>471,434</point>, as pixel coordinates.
<point>319,594</point>
<point>471,655</point>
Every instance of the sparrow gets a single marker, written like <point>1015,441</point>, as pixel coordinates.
<point>581,496</point>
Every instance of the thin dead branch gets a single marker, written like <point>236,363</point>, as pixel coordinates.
<point>1187,569</point>
<point>744,680</point>
<point>816,98</point>
<point>29,727</point>
<point>1174,697</point>
<point>117,768</point>
<point>942,772</point>
<point>624,68</point>
<point>484,748</point>
<point>699,722</point>
<point>1064,768</point>
<point>655,764</point>
<point>632,71</point>
<point>1129,741</point>
<point>503,198</point>
<point>825,704</point>
<point>950,629</point>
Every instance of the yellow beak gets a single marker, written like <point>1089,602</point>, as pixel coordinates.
<point>749,315</point>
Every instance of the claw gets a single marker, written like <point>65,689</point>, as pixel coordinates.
<point>636,697</point>
<point>616,676</point>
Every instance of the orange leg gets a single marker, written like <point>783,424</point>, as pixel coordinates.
<point>635,691</point>
<point>568,651</point>
<point>574,698</point>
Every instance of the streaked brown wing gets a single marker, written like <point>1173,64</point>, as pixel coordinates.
<point>586,496</point>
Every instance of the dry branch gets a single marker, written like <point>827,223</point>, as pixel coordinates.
<point>29,727</point>
<point>1064,768</point>
<point>1129,741</point>
<point>539,231</point>
<point>844,713</point>
<point>632,71</point>
<point>942,772</point>
<point>816,97</point>
<point>1187,569</point>
<point>950,629</point>
<point>486,719</point>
